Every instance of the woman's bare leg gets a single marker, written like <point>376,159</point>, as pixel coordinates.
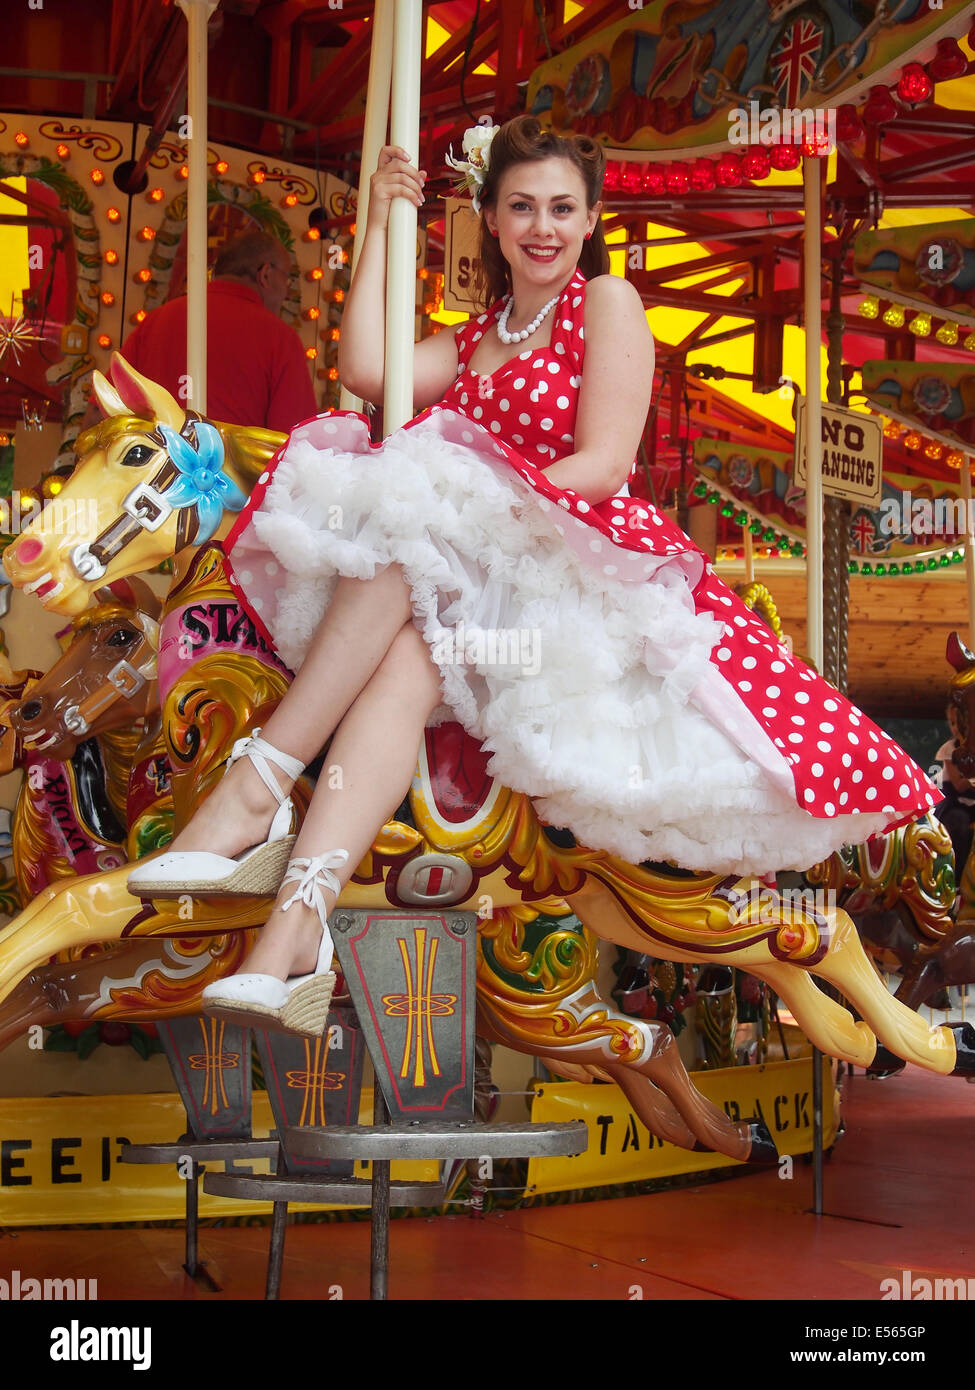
<point>374,754</point>
<point>350,643</point>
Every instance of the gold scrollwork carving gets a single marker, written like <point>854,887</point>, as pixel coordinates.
<point>288,182</point>
<point>99,142</point>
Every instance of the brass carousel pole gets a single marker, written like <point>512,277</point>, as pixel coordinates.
<point>836,510</point>
<point>812,322</point>
<point>197,16</point>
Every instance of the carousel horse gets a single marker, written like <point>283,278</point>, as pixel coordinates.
<point>545,1001</point>
<point>98,705</point>
<point>951,961</point>
<point>66,818</point>
<point>899,887</point>
<point>516,864</point>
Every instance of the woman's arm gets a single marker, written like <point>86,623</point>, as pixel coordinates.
<point>617,378</point>
<point>363,342</point>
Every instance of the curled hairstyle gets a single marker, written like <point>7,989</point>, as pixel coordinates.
<point>523,141</point>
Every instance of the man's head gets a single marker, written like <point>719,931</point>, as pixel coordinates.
<point>258,260</point>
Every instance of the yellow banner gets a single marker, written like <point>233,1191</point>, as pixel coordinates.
<point>622,1150</point>
<point>59,1161</point>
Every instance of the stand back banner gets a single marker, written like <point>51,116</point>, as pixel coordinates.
<point>60,1161</point>
<point>622,1150</point>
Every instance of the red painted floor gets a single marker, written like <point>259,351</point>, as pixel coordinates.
<point>897,1196</point>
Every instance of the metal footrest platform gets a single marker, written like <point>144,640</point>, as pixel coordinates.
<point>310,1187</point>
<point>200,1151</point>
<point>438,1139</point>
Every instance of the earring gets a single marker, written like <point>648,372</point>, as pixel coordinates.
<point>588,235</point>
<point>494,231</point>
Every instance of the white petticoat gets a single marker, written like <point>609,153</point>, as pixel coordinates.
<point>585,687</point>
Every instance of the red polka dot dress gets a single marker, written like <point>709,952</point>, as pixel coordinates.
<point>608,671</point>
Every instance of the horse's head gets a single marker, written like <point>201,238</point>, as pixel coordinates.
<point>13,687</point>
<point>105,679</point>
<point>152,479</point>
<point>961,694</point>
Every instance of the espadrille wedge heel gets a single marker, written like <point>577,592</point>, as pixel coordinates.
<point>298,1005</point>
<point>257,872</point>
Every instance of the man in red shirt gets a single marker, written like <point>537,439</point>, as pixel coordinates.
<point>257,372</point>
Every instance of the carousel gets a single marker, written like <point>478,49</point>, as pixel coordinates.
<point>539,1055</point>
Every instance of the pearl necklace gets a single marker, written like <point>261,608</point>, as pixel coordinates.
<point>543,313</point>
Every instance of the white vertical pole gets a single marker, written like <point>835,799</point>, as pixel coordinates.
<point>966,492</point>
<point>197,14</point>
<point>812,319</point>
<point>373,136</point>
<point>401,249</point>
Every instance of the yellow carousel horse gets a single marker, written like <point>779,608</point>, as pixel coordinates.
<point>218,679</point>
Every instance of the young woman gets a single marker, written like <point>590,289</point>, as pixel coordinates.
<point>634,697</point>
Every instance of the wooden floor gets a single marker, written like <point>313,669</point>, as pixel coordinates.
<point>897,1196</point>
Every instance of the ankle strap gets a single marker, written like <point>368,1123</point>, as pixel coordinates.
<point>310,875</point>
<point>261,753</point>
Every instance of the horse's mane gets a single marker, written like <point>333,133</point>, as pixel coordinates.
<point>249,447</point>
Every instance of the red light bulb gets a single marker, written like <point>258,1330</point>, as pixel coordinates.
<point>848,124</point>
<point>948,62</point>
<point>914,85</point>
<point>880,107</point>
<point>728,171</point>
<point>785,156</point>
<point>677,177</point>
<point>756,163</point>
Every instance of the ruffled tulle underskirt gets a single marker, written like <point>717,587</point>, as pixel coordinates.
<point>594,692</point>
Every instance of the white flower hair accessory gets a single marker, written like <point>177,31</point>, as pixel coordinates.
<point>477,148</point>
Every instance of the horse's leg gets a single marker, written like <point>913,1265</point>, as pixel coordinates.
<point>640,1056</point>
<point>351,642</point>
<point>98,908</point>
<point>825,1022</point>
<point>137,980</point>
<point>846,966</point>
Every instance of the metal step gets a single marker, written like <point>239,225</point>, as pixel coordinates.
<point>200,1150</point>
<point>438,1139</point>
<point>347,1192</point>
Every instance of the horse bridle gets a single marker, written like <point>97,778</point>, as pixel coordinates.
<point>123,681</point>
<point>143,509</point>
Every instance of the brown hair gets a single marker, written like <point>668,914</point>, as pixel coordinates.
<point>521,141</point>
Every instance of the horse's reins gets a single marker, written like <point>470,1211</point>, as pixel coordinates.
<point>143,509</point>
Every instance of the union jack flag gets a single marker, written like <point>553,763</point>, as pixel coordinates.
<point>795,59</point>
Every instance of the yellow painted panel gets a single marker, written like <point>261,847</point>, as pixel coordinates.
<point>14,241</point>
<point>621,1150</point>
<point>59,1161</point>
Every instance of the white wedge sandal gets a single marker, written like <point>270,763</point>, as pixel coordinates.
<point>256,872</point>
<point>298,1005</point>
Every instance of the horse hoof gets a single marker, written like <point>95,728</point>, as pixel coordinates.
<point>885,1063</point>
<point>964,1035</point>
<point>763,1148</point>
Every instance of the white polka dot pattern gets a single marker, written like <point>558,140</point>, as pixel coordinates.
<point>839,762</point>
